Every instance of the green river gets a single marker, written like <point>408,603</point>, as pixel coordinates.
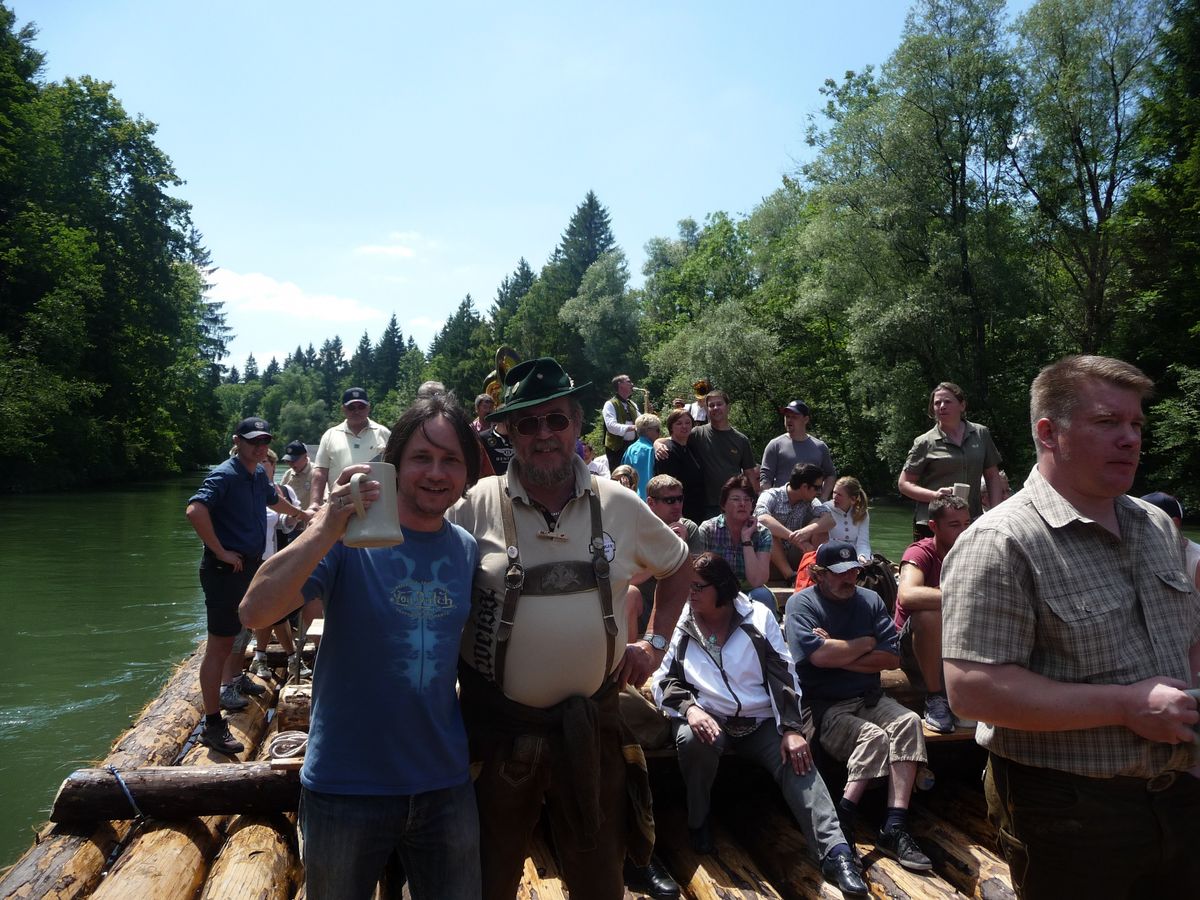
<point>101,599</point>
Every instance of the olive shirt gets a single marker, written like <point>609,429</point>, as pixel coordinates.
<point>934,462</point>
<point>722,455</point>
<point>1036,584</point>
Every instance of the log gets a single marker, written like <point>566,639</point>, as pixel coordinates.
<point>294,707</point>
<point>764,825</point>
<point>171,859</point>
<point>728,874</point>
<point>973,869</point>
<point>541,879</point>
<point>259,860</point>
<point>965,809</point>
<point>172,792</point>
<point>65,862</point>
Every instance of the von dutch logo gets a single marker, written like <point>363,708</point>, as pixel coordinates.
<point>845,553</point>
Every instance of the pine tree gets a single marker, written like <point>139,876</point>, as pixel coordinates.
<point>250,373</point>
<point>386,359</point>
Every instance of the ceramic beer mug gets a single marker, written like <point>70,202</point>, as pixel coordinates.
<point>378,526</point>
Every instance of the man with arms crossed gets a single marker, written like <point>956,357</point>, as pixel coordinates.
<point>841,638</point>
<point>919,606</point>
<point>1069,628</point>
<point>544,651</point>
<point>359,439</point>
<point>386,768</point>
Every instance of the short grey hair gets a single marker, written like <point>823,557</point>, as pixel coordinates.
<point>645,422</point>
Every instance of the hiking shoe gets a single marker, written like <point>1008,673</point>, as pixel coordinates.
<point>937,714</point>
<point>248,687</point>
<point>262,669</point>
<point>842,871</point>
<point>231,698</point>
<point>900,846</point>
<point>219,738</point>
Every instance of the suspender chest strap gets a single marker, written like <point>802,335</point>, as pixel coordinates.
<point>514,579</point>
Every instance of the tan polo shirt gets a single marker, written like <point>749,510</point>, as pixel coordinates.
<point>558,643</point>
<point>340,447</point>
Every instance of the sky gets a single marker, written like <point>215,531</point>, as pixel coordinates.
<point>345,162</point>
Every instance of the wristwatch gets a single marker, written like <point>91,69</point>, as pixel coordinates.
<point>747,543</point>
<point>657,641</point>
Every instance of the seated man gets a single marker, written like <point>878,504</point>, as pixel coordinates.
<point>841,638</point>
<point>795,517</point>
<point>919,606</point>
<point>664,494</point>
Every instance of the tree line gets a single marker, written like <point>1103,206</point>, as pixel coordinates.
<point>998,193</point>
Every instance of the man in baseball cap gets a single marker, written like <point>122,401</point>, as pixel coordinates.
<point>358,439</point>
<point>841,638</point>
<point>795,446</point>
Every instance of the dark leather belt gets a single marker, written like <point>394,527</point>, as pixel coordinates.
<point>1161,782</point>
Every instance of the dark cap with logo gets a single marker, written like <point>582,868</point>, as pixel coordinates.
<point>838,557</point>
<point>799,407</point>
<point>354,395</point>
<point>294,450</point>
<point>252,428</point>
<point>532,382</point>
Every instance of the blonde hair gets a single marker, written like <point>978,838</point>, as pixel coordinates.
<point>858,497</point>
<point>628,472</point>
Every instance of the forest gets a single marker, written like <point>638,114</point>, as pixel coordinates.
<point>998,193</point>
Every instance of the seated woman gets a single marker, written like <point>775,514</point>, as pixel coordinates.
<point>727,683</point>
<point>851,521</point>
<point>737,536</point>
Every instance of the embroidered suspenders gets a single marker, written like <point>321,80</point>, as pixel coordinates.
<point>515,579</point>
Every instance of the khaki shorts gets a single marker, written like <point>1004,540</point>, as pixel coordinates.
<point>868,739</point>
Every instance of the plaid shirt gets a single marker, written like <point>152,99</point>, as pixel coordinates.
<point>719,539</point>
<point>1035,584</point>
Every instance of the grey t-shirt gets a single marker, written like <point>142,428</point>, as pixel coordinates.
<point>782,454</point>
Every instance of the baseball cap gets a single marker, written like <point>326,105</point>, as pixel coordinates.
<point>838,557</point>
<point>252,428</point>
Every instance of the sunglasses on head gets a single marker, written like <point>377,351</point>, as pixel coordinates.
<point>531,425</point>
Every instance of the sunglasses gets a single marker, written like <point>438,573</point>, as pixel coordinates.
<point>673,499</point>
<point>531,425</point>
<point>258,441</point>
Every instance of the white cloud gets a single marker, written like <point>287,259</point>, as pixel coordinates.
<point>400,245</point>
<point>255,292</point>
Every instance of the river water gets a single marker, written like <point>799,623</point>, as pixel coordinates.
<point>100,600</point>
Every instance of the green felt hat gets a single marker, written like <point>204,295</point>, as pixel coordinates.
<point>532,382</point>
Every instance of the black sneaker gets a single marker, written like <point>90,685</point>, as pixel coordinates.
<point>219,738</point>
<point>842,871</point>
<point>900,846</point>
<point>248,686</point>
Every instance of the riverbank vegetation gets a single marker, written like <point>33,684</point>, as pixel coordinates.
<point>998,193</point>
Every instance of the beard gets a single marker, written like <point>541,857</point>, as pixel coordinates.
<point>547,476</point>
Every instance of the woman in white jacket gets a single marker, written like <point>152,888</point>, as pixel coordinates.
<point>851,521</point>
<point>727,683</point>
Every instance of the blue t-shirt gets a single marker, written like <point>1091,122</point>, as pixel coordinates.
<point>385,716</point>
<point>861,615</point>
<point>237,502</point>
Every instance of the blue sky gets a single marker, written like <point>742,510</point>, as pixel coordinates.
<point>348,161</point>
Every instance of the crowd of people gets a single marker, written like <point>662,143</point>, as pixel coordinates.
<point>501,632</point>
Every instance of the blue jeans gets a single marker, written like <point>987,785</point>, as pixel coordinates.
<point>349,839</point>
